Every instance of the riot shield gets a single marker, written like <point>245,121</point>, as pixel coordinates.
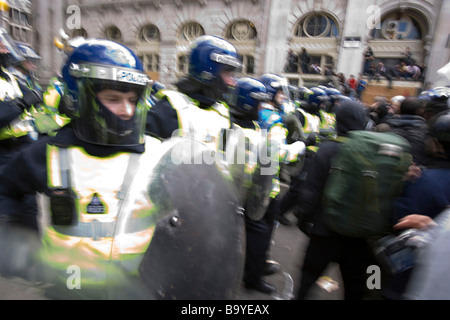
<point>295,133</point>
<point>258,191</point>
<point>197,247</point>
<point>237,157</point>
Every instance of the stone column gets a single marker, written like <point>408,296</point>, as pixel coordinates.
<point>355,29</point>
<point>276,43</point>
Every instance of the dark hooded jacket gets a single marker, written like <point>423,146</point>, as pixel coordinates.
<point>350,115</point>
<point>414,129</point>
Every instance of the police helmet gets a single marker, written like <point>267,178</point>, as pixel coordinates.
<point>333,94</point>
<point>304,92</point>
<point>13,54</point>
<point>440,127</point>
<point>317,97</point>
<point>209,56</point>
<point>92,67</point>
<point>28,53</point>
<point>246,96</point>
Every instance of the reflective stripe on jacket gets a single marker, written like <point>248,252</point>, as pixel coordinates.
<point>204,125</point>
<point>113,228</point>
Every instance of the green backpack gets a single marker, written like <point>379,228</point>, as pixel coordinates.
<point>366,176</point>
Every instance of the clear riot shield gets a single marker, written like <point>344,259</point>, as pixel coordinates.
<point>261,181</point>
<point>238,159</point>
<point>295,132</point>
<point>196,249</point>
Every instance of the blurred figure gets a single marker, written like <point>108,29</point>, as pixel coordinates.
<point>361,85</point>
<point>196,109</point>
<point>17,128</point>
<point>305,60</point>
<point>395,104</point>
<point>325,245</point>
<point>368,58</point>
<point>292,62</point>
<point>410,125</point>
<point>244,104</point>
<point>260,232</point>
<point>379,111</point>
<point>422,201</point>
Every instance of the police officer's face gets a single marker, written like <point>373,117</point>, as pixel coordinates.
<point>122,104</point>
<point>280,97</point>
<point>228,78</point>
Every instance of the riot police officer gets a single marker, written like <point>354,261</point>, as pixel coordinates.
<point>114,204</point>
<point>244,102</point>
<point>16,122</point>
<point>196,108</point>
<point>259,232</point>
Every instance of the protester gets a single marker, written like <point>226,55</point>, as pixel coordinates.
<point>325,245</point>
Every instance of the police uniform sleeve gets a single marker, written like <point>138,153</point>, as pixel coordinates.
<point>162,120</point>
<point>10,110</point>
<point>25,174</point>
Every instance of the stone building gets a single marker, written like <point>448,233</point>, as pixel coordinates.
<point>335,33</point>
<point>16,19</point>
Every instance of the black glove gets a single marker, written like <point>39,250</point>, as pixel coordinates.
<point>311,140</point>
<point>32,97</point>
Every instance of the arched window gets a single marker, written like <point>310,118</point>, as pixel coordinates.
<point>183,63</point>
<point>113,33</point>
<point>79,33</point>
<point>241,30</point>
<point>149,33</point>
<point>316,25</point>
<point>191,30</point>
<point>398,26</point>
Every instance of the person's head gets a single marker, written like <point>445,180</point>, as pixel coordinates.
<point>277,87</point>
<point>395,104</point>
<point>105,82</point>
<point>317,100</point>
<point>439,129</point>
<point>334,96</point>
<point>411,106</point>
<point>436,100</point>
<point>245,98</point>
<point>31,58</point>
<point>350,115</point>
<point>9,52</point>
<point>212,63</point>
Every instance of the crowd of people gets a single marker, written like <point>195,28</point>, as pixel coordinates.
<point>405,69</point>
<point>104,168</point>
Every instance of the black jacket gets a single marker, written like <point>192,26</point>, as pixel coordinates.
<point>414,129</point>
<point>350,115</point>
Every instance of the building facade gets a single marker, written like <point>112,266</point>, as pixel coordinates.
<point>16,19</point>
<point>335,33</point>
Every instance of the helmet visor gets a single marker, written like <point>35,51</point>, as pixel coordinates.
<point>118,119</point>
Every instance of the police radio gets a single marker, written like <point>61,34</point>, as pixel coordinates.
<point>62,199</point>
